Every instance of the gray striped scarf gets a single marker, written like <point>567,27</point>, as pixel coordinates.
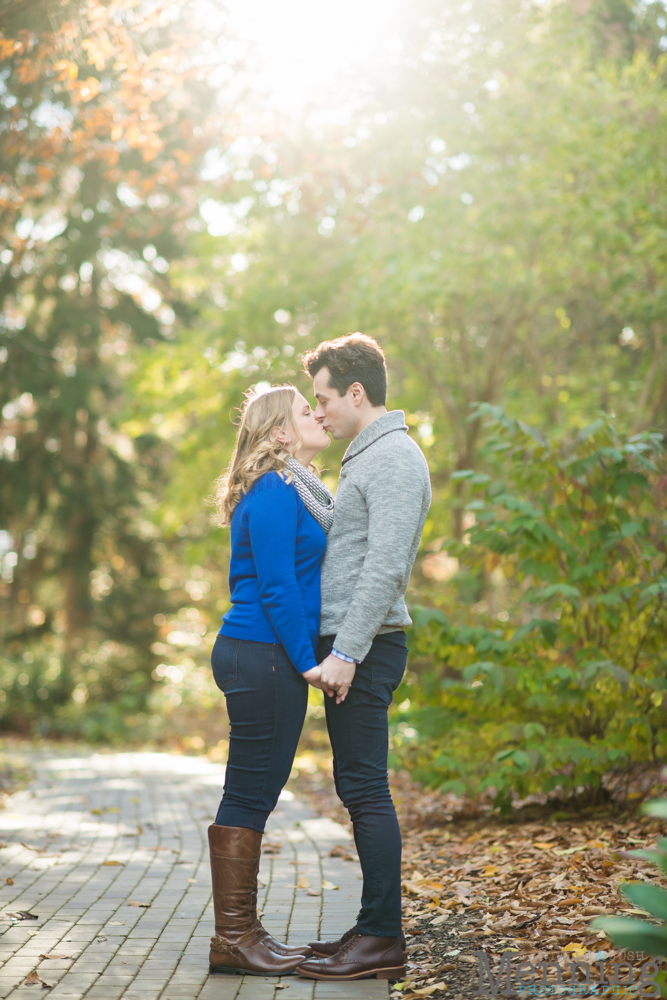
<point>317,499</point>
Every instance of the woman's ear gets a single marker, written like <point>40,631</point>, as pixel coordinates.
<point>281,435</point>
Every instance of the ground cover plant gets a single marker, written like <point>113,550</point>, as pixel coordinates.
<point>563,694</point>
<point>644,934</point>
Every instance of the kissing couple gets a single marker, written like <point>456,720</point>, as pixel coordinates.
<point>317,591</point>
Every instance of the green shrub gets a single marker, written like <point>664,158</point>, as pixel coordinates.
<point>572,686</point>
<point>633,933</point>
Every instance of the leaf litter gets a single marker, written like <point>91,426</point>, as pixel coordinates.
<point>472,881</point>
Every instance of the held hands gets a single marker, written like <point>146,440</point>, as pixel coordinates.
<point>314,678</point>
<point>336,676</point>
<point>333,676</point>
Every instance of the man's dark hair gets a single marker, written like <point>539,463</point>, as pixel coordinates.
<point>355,358</point>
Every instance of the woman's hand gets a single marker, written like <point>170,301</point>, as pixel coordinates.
<point>314,677</point>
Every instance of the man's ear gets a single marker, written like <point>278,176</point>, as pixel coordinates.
<point>357,393</point>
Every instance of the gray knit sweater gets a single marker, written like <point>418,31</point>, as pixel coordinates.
<point>383,497</point>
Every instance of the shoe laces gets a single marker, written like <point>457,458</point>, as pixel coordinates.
<point>349,945</point>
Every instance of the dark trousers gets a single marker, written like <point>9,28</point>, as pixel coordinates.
<point>266,704</point>
<point>359,737</point>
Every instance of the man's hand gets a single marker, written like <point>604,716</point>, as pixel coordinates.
<point>336,676</point>
<point>313,676</point>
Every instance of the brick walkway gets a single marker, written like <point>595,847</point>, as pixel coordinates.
<point>110,852</point>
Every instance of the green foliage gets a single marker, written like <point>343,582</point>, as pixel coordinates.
<point>490,203</point>
<point>573,686</point>
<point>636,934</point>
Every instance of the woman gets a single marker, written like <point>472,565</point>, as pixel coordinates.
<point>264,658</point>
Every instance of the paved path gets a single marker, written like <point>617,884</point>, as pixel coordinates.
<point>110,852</point>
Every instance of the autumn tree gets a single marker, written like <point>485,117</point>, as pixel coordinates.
<point>106,113</point>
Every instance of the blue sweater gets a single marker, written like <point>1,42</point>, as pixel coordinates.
<point>274,571</point>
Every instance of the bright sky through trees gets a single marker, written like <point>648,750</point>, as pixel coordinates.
<point>301,46</point>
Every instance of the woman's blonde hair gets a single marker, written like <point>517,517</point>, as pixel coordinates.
<point>257,451</point>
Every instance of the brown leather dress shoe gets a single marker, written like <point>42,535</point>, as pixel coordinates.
<point>241,944</point>
<point>324,948</point>
<point>363,956</point>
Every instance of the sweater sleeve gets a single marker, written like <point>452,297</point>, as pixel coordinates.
<point>395,495</point>
<point>272,522</point>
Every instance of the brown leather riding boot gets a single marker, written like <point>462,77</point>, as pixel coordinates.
<point>324,948</point>
<point>238,945</point>
<point>361,957</point>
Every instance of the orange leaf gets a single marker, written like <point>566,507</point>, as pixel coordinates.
<point>89,88</point>
<point>67,70</point>
<point>8,47</point>
<point>28,71</point>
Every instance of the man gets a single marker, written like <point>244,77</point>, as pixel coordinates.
<point>381,505</point>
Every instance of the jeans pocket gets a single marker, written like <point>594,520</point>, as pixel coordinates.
<point>224,661</point>
<point>388,660</point>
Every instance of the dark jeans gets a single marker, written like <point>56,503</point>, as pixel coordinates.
<point>266,704</point>
<point>360,740</point>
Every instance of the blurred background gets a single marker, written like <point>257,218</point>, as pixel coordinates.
<point>192,195</point>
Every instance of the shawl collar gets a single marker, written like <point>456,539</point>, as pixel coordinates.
<point>389,422</point>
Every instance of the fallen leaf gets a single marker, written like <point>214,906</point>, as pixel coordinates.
<point>440,919</point>
<point>341,852</point>
<point>312,892</point>
<point>109,863</point>
<point>112,809</point>
<point>135,798</point>
<point>34,980</point>
<point>96,812</point>
<point>9,881</point>
<point>303,883</point>
<point>328,885</point>
<point>269,848</point>
<point>144,905</point>
<point>282,986</point>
